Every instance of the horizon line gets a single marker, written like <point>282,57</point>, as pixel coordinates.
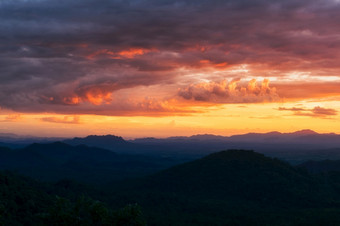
<point>27,136</point>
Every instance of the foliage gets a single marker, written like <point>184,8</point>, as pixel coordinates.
<point>226,188</point>
<point>24,201</point>
<point>86,211</point>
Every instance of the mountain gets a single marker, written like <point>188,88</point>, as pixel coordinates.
<point>55,161</point>
<point>305,132</point>
<point>110,142</point>
<point>8,136</point>
<point>241,173</point>
<point>233,187</point>
<point>19,141</point>
<point>322,166</point>
<point>24,201</point>
<point>296,147</point>
<point>51,154</point>
<point>271,137</point>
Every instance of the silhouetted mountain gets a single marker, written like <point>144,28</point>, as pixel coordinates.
<point>21,200</point>
<point>237,173</point>
<point>55,161</point>
<point>17,141</point>
<point>232,188</point>
<point>24,201</point>
<point>295,147</point>
<point>110,142</point>
<point>322,166</point>
<point>52,154</point>
<point>271,137</point>
<point>12,145</point>
<point>206,137</point>
<point>203,144</point>
<point>305,132</point>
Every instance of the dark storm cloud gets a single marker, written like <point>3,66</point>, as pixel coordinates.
<point>57,53</point>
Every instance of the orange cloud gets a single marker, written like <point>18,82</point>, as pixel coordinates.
<point>208,63</point>
<point>128,53</point>
<point>94,94</point>
<point>317,112</point>
<point>12,118</point>
<point>324,111</point>
<point>230,92</point>
<point>65,119</point>
<point>71,100</point>
<point>308,90</point>
<point>294,109</point>
<point>97,96</point>
<point>99,52</point>
<point>131,53</point>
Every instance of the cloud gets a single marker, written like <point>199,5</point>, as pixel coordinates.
<point>293,109</point>
<point>230,92</point>
<point>128,53</point>
<point>65,119</point>
<point>316,112</point>
<point>65,56</point>
<point>122,105</point>
<point>324,111</point>
<point>308,89</point>
<point>12,118</point>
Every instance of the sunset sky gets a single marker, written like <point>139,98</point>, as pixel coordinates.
<point>139,68</point>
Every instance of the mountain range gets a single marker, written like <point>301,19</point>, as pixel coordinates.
<point>55,161</point>
<point>234,187</point>
<point>295,147</point>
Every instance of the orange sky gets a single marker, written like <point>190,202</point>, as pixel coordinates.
<point>250,107</point>
<point>168,69</point>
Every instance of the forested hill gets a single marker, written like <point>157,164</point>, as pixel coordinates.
<point>243,174</point>
<point>55,161</point>
<point>235,188</point>
<point>26,202</point>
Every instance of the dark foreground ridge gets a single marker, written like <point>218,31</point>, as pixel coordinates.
<point>233,187</point>
<point>26,202</point>
<point>55,161</point>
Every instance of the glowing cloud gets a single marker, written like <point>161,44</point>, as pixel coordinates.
<point>165,58</point>
<point>65,119</point>
<point>317,112</point>
<point>12,118</point>
<point>230,92</point>
<point>128,53</point>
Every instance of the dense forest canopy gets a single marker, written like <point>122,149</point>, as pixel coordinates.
<point>234,187</point>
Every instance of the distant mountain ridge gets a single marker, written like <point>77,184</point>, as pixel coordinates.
<point>244,137</point>
<point>110,142</point>
<point>295,147</point>
<point>58,160</point>
<point>273,136</point>
<point>322,166</point>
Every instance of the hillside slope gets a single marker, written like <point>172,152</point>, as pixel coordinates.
<point>232,187</point>
<point>55,161</point>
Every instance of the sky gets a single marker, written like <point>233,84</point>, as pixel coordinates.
<point>139,68</point>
